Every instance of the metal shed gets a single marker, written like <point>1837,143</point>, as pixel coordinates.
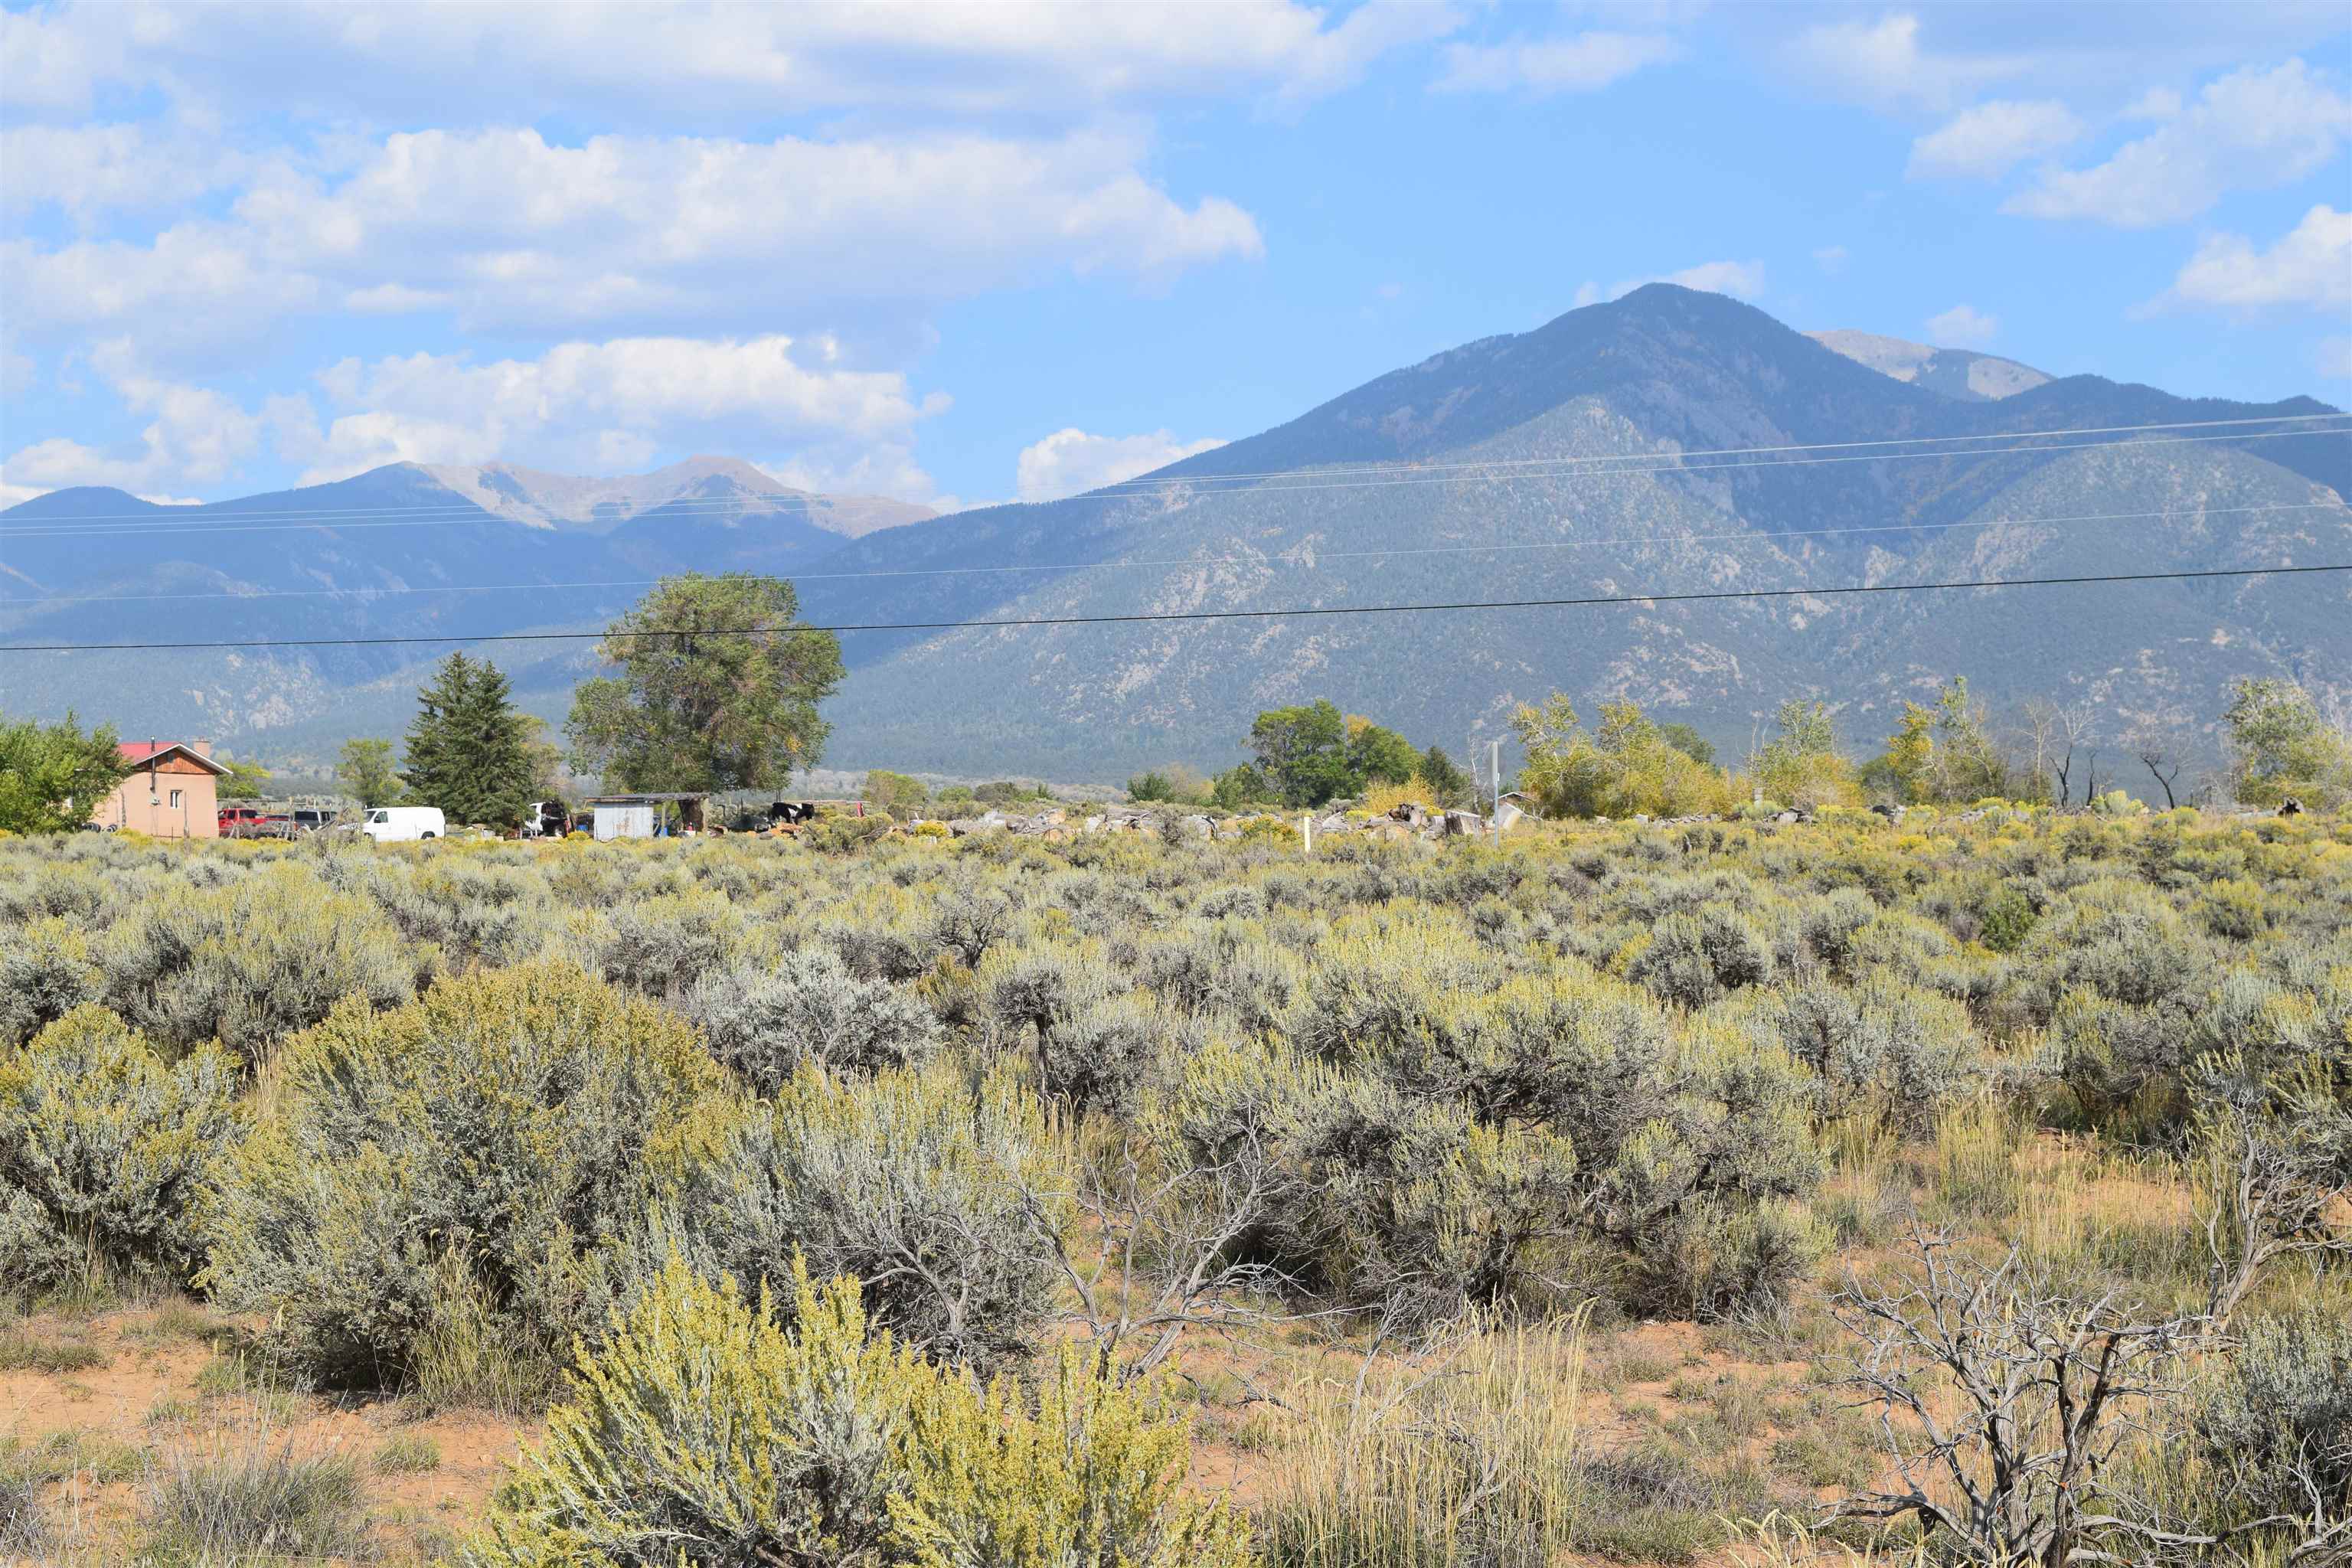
<point>645,816</point>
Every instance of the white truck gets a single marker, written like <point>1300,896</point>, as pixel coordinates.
<point>404,823</point>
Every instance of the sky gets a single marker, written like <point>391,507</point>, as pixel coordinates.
<point>965,253</point>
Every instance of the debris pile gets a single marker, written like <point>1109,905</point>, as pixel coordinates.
<point>1410,821</point>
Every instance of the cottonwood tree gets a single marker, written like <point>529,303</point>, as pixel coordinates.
<point>718,688</point>
<point>2283,745</point>
<point>1800,766</point>
<point>364,768</point>
<point>52,775</point>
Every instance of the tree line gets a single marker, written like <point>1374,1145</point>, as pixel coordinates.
<point>1943,751</point>
<point>718,685</point>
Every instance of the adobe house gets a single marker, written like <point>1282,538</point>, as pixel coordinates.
<point>172,795</point>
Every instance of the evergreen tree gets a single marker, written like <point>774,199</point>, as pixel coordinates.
<point>466,750</point>
<point>1446,782</point>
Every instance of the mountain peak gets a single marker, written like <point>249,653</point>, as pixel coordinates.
<point>1956,372</point>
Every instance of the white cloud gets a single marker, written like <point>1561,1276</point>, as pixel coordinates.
<point>1583,63</point>
<point>1070,462</point>
<point>1962,326</point>
<point>601,407</point>
<point>1989,140</point>
<point>1882,63</point>
<point>888,469</point>
<point>512,233</point>
<point>86,169</point>
<point>1831,258</point>
<point>714,63</point>
<point>193,434</point>
<point>1338,58</point>
<point>2310,265</point>
<point>1740,280</point>
<point>2252,129</point>
<point>2155,103</point>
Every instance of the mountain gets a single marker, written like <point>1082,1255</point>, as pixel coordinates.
<point>402,551</point>
<point>1666,443</point>
<point>601,505</point>
<point>1955,373</point>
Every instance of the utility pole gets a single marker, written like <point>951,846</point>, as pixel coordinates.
<point>1495,766</point>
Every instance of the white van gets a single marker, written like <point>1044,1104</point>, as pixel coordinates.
<point>401,824</point>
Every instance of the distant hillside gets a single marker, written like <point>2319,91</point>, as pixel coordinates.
<point>1568,461</point>
<point>1955,373</point>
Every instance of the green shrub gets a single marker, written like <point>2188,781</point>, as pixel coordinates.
<point>1902,1054</point>
<point>272,953</point>
<point>938,1197</point>
<point>103,1149</point>
<point>1695,959</point>
<point>809,1009</point>
<point>703,1432</point>
<point>482,1152</point>
<point>659,946</point>
<point>2276,1418</point>
<point>45,972</point>
<point>1102,1055</point>
<point>1092,1470</point>
<point>2008,920</point>
<point>1377,1198</point>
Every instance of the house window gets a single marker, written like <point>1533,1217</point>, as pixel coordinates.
<point>175,800</point>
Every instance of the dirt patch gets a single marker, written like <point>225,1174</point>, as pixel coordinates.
<point>173,1379</point>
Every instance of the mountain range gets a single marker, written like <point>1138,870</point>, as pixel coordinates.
<point>1666,443</point>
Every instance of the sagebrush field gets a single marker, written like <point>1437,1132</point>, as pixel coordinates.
<point>1968,1190</point>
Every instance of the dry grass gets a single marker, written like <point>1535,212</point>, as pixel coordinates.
<point>1470,1455</point>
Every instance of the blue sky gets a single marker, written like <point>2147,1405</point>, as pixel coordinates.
<point>963,253</point>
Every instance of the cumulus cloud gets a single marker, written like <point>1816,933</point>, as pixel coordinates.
<point>513,233</point>
<point>192,434</point>
<point>1883,64</point>
<point>2252,129</point>
<point>1989,140</point>
<point>1740,280</point>
<point>88,170</point>
<point>712,63</point>
<point>601,407</point>
<point>2310,265</point>
<point>1962,326</point>
<point>1070,462</point>
<point>1582,63</point>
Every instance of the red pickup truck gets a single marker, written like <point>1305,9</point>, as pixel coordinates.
<point>252,821</point>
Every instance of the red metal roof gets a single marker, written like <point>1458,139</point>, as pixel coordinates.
<point>140,751</point>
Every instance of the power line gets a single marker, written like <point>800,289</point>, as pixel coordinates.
<point>1283,558</point>
<point>60,528</point>
<point>1410,467</point>
<point>1200,614</point>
